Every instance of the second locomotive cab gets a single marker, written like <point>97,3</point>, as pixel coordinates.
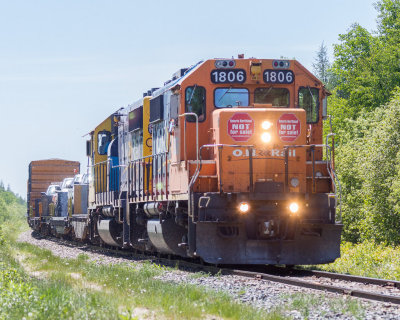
<point>226,162</point>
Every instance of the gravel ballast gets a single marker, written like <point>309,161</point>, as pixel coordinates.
<point>295,302</point>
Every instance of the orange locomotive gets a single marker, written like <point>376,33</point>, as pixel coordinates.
<point>225,163</point>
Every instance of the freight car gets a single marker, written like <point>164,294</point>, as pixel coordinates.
<point>42,173</point>
<point>226,162</point>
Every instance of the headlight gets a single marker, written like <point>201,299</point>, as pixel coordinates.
<point>266,125</point>
<point>266,137</point>
<point>294,207</point>
<point>244,207</point>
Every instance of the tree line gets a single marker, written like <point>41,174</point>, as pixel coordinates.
<point>364,79</point>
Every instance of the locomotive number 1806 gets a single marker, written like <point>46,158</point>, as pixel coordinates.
<point>228,76</point>
<point>278,76</point>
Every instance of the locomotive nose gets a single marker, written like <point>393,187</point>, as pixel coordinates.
<point>254,140</point>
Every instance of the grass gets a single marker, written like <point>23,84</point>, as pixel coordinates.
<point>35,284</point>
<point>22,296</point>
<point>202,274</point>
<point>81,289</point>
<point>126,286</point>
<point>367,259</point>
<point>119,289</point>
<point>39,285</point>
<point>307,303</point>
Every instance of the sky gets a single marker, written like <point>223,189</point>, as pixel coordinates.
<point>66,65</point>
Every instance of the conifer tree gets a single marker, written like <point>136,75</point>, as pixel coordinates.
<point>321,65</point>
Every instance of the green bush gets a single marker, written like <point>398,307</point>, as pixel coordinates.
<point>17,297</point>
<point>367,259</point>
<point>2,240</point>
<point>365,108</point>
<point>24,297</point>
<point>12,208</point>
<point>369,169</point>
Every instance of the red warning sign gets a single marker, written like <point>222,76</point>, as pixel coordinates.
<point>289,127</point>
<point>240,127</point>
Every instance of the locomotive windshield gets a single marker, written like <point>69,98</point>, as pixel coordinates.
<point>231,97</point>
<point>278,97</point>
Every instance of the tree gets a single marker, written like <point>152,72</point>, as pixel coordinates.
<point>351,68</point>
<point>366,109</point>
<point>366,65</point>
<point>369,169</point>
<point>321,65</point>
<point>389,19</point>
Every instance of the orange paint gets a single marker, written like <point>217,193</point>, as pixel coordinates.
<point>218,127</point>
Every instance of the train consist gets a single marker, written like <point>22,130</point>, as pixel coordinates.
<point>226,162</point>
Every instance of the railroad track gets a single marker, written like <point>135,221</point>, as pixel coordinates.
<point>297,279</point>
<point>291,276</point>
<point>372,288</point>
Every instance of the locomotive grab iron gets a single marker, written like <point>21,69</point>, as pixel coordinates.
<point>226,162</point>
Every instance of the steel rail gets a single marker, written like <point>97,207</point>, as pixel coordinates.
<point>299,271</point>
<point>316,286</point>
<point>352,278</point>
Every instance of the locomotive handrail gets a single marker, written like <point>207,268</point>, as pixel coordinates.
<point>103,187</point>
<point>123,165</point>
<point>101,162</point>
<point>197,150</point>
<point>197,132</point>
<point>199,166</point>
<point>107,182</point>
<point>331,171</point>
<point>142,161</point>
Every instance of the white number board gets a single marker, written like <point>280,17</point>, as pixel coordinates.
<point>278,76</point>
<point>228,76</point>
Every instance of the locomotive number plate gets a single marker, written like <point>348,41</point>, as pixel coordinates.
<point>228,76</point>
<point>278,76</point>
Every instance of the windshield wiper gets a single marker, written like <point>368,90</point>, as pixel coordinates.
<point>191,96</point>
<point>266,94</point>
<point>224,94</point>
<point>312,96</point>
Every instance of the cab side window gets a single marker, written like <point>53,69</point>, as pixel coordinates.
<point>309,101</point>
<point>195,101</point>
<point>103,140</point>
